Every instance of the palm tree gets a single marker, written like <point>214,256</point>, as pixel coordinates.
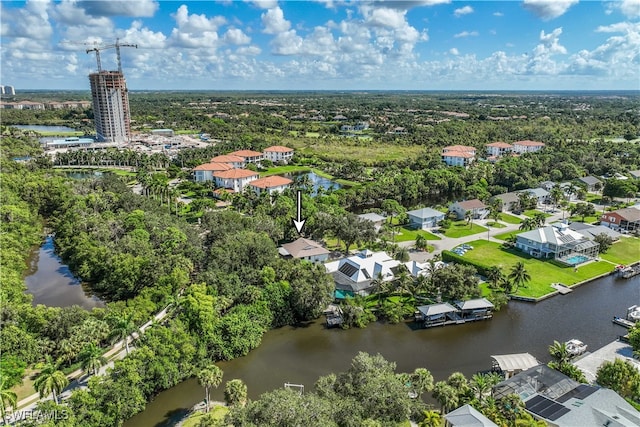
<point>50,380</point>
<point>446,395</point>
<point>528,224</point>
<point>431,419</point>
<point>480,385</point>
<point>556,195</point>
<point>559,353</point>
<point>494,276</point>
<point>8,399</point>
<point>91,358</point>
<point>123,328</point>
<point>421,242</point>
<point>208,377</point>
<point>518,276</point>
<point>235,393</point>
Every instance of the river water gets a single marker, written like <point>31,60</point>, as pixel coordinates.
<point>300,355</point>
<point>51,283</point>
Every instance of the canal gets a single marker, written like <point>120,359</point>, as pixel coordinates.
<point>300,355</point>
<point>51,283</point>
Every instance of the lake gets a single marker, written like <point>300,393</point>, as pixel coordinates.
<point>42,128</point>
<point>316,180</point>
<point>299,355</point>
<point>51,282</point>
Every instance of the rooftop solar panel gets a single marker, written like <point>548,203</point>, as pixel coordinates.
<point>545,408</point>
<point>347,269</point>
<point>579,392</point>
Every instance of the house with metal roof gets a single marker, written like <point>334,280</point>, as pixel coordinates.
<point>626,219</point>
<point>511,364</point>
<point>540,194</point>
<point>559,401</point>
<point>590,231</point>
<point>356,273</point>
<point>425,218</point>
<point>559,242</point>
<point>375,218</point>
<point>468,416</point>
<point>508,201</point>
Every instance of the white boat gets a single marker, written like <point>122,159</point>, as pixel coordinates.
<point>633,313</point>
<point>575,347</point>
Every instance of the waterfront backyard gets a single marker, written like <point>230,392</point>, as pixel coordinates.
<point>544,272</point>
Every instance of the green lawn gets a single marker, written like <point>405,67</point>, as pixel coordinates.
<point>280,170</point>
<point>505,236</point>
<point>496,225</point>
<point>462,229</point>
<point>218,412</point>
<point>353,149</point>
<point>59,133</point>
<point>532,212</point>
<point>626,251</point>
<point>542,273</point>
<point>406,234</point>
<point>587,219</point>
<point>510,219</point>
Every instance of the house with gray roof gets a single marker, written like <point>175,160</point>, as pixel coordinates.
<point>508,201</point>
<point>304,249</point>
<point>475,207</point>
<point>425,218</point>
<point>590,231</point>
<point>468,416</point>
<point>356,273</point>
<point>625,219</point>
<point>591,182</point>
<point>559,242</point>
<point>559,401</point>
<point>377,219</point>
<point>540,194</point>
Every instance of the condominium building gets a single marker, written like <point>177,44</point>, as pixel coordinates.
<point>110,106</point>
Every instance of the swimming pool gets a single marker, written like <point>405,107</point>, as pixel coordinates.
<point>576,259</point>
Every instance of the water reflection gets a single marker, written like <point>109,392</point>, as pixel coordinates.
<point>52,283</point>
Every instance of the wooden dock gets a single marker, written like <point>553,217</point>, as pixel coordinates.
<point>561,288</point>
<point>456,321</point>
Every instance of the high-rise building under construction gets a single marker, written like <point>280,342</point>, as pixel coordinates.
<point>110,106</point>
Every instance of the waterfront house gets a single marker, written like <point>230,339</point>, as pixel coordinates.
<point>425,218</point>
<point>557,242</point>
<point>458,155</point>
<point>590,182</point>
<point>235,179</point>
<point>437,314</point>
<point>560,401</point>
<point>475,207</point>
<point>498,149</point>
<point>626,219</point>
<point>204,172</point>
<point>468,416</point>
<point>248,156</point>
<point>508,201</point>
<point>475,309</point>
<point>233,161</point>
<point>511,364</point>
<point>355,273</point>
<point>527,146</point>
<point>590,231</point>
<point>278,153</point>
<point>376,219</point>
<point>306,249</point>
<point>270,184</point>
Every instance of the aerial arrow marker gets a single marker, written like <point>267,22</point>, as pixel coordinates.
<point>299,223</point>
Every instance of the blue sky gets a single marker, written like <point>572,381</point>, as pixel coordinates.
<point>327,44</point>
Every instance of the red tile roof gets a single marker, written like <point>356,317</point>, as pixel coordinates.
<point>278,149</point>
<point>499,145</point>
<point>459,148</point>
<point>246,153</point>
<point>227,159</point>
<point>235,174</point>
<point>456,153</point>
<point>271,181</point>
<point>213,167</point>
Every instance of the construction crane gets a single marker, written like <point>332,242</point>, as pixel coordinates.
<point>117,46</point>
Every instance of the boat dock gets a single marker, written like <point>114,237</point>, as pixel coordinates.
<point>443,314</point>
<point>623,322</point>
<point>561,288</point>
<point>630,271</point>
<point>333,314</point>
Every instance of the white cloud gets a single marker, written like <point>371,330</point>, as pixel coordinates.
<point>466,34</point>
<point>620,27</point>
<point>541,62</point>
<point>548,9</point>
<point>631,8</point>
<point>32,21</point>
<point>384,17</point>
<point>498,14</point>
<point>264,4</point>
<point>454,51</point>
<point>195,23</point>
<point>463,11</point>
<point>195,31</point>
<point>236,36</point>
<point>137,8</point>
<point>274,22</point>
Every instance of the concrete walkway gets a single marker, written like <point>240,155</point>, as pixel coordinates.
<point>78,379</point>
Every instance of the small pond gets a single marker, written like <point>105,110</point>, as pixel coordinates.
<point>316,180</point>
<point>42,128</point>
